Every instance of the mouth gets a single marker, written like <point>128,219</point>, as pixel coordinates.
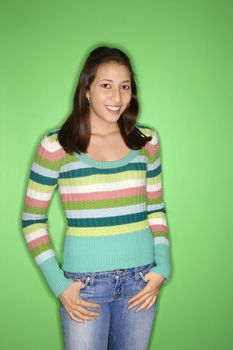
<point>113,109</point>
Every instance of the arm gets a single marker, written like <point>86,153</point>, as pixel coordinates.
<point>156,211</point>
<point>41,185</point>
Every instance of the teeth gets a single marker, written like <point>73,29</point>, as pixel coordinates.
<point>113,108</point>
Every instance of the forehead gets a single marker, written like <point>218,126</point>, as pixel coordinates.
<point>112,70</point>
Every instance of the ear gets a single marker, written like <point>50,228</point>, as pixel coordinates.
<point>87,94</point>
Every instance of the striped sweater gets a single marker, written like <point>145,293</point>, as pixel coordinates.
<point>116,217</point>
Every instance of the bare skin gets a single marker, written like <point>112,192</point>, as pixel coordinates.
<point>76,306</point>
<point>148,295</point>
<point>107,148</point>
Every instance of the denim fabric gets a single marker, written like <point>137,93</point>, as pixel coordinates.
<point>116,328</point>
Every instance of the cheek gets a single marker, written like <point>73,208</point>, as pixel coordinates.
<point>127,98</point>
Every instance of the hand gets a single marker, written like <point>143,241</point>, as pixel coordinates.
<point>75,305</point>
<point>148,294</point>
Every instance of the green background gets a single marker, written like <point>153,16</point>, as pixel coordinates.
<point>182,55</point>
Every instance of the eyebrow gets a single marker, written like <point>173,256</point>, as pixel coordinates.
<point>125,81</point>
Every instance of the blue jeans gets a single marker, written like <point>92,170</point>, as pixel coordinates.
<point>116,328</point>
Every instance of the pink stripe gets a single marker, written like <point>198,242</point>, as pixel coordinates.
<point>154,194</point>
<point>152,148</point>
<point>36,202</point>
<point>124,193</point>
<point>155,228</point>
<point>52,156</point>
<point>38,242</point>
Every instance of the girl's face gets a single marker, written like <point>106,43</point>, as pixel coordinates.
<point>109,93</point>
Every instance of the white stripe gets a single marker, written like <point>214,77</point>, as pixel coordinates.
<point>44,256</point>
<point>44,171</point>
<point>158,221</point>
<point>30,216</point>
<point>34,235</point>
<point>161,240</point>
<point>110,212</point>
<point>101,187</point>
<point>154,165</point>
<point>154,139</point>
<point>42,196</point>
<point>152,207</point>
<point>154,187</point>
<point>50,146</point>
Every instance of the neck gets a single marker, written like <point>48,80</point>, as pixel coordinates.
<point>106,134</point>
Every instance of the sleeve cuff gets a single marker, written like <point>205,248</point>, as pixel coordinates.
<point>55,276</point>
<point>162,260</point>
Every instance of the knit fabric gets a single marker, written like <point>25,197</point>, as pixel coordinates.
<point>115,213</point>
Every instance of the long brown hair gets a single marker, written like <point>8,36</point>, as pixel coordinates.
<point>74,134</point>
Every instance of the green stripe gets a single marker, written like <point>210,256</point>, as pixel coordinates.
<point>41,249</point>
<point>40,160</point>
<point>105,203</point>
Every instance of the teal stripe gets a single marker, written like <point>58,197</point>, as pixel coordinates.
<point>107,164</point>
<point>82,172</point>
<point>53,132</point>
<point>105,221</point>
<point>82,254</point>
<point>162,259</point>
<point>43,180</point>
<point>54,276</point>
<point>154,172</point>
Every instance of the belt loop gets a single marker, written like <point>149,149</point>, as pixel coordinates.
<point>136,275</point>
<point>92,278</point>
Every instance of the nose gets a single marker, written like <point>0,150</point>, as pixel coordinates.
<point>116,94</point>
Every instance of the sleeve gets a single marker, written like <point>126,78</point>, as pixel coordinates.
<point>156,211</point>
<point>41,185</point>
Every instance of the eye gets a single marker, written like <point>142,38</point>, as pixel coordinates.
<point>104,84</point>
<point>126,87</point>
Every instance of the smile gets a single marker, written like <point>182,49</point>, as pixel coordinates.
<point>114,109</point>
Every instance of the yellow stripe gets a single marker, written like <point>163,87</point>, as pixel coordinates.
<point>34,227</point>
<point>154,180</point>
<point>36,186</point>
<point>104,178</point>
<point>107,231</point>
<point>157,215</point>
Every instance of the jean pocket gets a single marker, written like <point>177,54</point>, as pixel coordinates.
<point>143,270</point>
<point>82,277</point>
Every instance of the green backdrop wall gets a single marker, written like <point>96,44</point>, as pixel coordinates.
<point>182,54</point>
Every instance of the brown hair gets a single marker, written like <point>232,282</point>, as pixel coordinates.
<point>74,135</point>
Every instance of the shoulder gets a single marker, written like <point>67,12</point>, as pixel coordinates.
<point>51,137</point>
<point>50,142</point>
<point>149,131</point>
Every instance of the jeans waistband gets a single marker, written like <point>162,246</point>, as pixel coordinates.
<point>128,272</point>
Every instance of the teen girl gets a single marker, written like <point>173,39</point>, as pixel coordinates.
<point>107,169</point>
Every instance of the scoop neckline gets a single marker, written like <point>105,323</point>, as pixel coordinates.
<point>108,163</point>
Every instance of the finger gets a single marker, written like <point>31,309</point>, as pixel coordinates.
<point>145,304</point>
<point>85,311</point>
<point>84,302</point>
<point>152,302</point>
<point>72,315</point>
<point>80,319</point>
<point>80,315</point>
<point>138,301</point>
<point>84,317</point>
<point>76,319</point>
<point>142,292</point>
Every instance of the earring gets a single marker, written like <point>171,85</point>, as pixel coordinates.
<point>88,102</point>
<point>128,104</point>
